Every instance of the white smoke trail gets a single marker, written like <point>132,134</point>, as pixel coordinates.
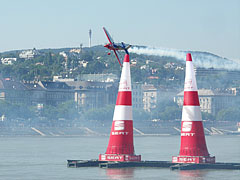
<point>201,59</point>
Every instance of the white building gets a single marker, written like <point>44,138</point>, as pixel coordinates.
<point>29,54</point>
<point>78,51</point>
<point>83,63</point>
<point>8,61</point>
<point>63,54</point>
<point>150,96</point>
<point>212,101</point>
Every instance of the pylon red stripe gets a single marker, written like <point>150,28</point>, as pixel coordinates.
<point>193,140</point>
<point>121,138</point>
<point>124,98</point>
<point>126,58</point>
<point>191,98</point>
<point>189,57</point>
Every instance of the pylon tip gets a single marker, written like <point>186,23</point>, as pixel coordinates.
<point>189,57</point>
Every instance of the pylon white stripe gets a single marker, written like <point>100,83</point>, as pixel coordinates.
<point>125,81</point>
<point>190,79</point>
<point>122,113</point>
<point>191,113</point>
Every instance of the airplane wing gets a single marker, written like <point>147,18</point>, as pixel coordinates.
<point>117,57</point>
<point>108,36</point>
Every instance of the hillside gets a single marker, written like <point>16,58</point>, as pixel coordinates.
<point>159,66</point>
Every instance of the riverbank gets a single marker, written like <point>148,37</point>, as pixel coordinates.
<point>163,130</point>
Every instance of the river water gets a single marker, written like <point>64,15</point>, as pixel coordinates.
<point>45,158</point>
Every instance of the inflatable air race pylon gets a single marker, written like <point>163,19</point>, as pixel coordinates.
<point>120,146</point>
<point>193,145</point>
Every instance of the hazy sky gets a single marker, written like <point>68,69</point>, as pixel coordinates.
<point>205,25</point>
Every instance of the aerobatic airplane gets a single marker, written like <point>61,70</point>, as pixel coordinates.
<point>115,46</point>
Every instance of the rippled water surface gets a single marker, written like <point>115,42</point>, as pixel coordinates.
<point>45,158</point>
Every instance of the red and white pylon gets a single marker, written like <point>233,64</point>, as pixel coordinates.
<point>193,145</point>
<point>120,146</point>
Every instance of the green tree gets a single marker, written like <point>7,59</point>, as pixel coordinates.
<point>141,115</point>
<point>67,110</point>
<point>139,75</point>
<point>13,110</point>
<point>170,113</point>
<point>50,112</point>
<point>230,114</point>
<point>95,67</point>
<point>167,110</point>
<point>87,55</point>
<point>48,59</point>
<point>101,114</point>
<point>207,116</point>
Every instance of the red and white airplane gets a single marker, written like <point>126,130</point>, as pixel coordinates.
<point>115,46</point>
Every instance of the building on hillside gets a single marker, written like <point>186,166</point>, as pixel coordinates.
<point>8,61</point>
<point>83,63</point>
<point>150,95</point>
<point>14,92</point>
<point>230,74</point>
<point>153,95</point>
<point>86,94</point>
<point>57,92</point>
<point>92,95</point>
<point>37,95</point>
<point>212,101</point>
<point>75,50</point>
<point>98,77</point>
<point>29,54</point>
<point>61,79</point>
<point>64,55</point>
<point>103,86</point>
<point>49,93</point>
<point>75,53</point>
<point>137,95</point>
<point>133,62</point>
<point>235,91</point>
<point>170,65</point>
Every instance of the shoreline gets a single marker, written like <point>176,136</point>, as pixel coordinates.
<point>96,129</point>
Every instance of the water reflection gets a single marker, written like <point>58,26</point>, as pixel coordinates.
<point>192,174</point>
<point>121,173</point>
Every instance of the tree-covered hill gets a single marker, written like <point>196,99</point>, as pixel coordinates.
<point>51,63</point>
<point>165,70</point>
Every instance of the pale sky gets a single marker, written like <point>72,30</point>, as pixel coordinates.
<point>203,25</point>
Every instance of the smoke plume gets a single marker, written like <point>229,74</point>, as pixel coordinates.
<point>201,59</point>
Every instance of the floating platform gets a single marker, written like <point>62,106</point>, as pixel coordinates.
<point>84,163</point>
<point>160,164</point>
<point>230,166</point>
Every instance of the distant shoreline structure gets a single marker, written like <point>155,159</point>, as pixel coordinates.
<point>90,132</point>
